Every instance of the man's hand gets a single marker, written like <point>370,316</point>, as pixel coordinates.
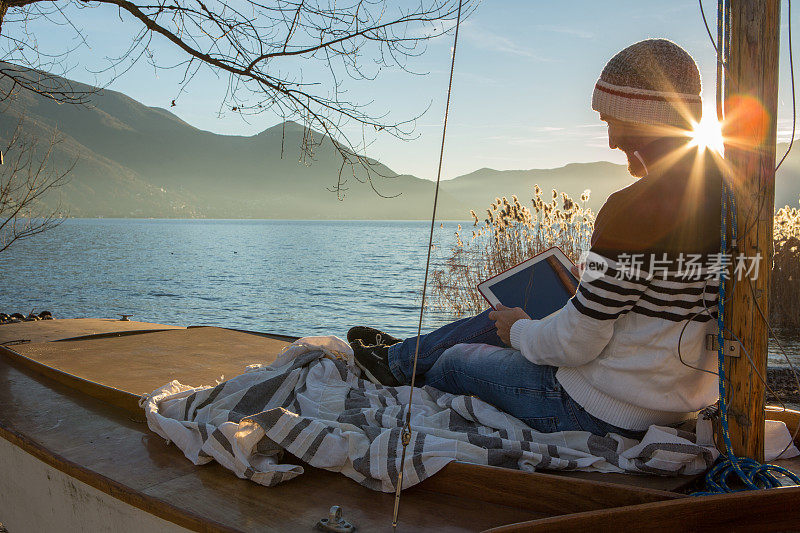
<point>504,317</point>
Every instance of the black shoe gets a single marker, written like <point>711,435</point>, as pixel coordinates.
<point>374,361</point>
<point>370,336</point>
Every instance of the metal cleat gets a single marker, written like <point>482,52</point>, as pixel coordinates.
<point>335,522</point>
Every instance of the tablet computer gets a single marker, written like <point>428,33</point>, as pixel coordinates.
<point>541,285</point>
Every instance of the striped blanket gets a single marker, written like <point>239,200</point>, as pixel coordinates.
<point>312,403</point>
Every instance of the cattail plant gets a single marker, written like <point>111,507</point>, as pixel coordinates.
<point>509,234</point>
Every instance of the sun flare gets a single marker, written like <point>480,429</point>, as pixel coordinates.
<point>707,134</point>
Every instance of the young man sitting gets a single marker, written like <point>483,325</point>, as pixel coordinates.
<point>608,361</point>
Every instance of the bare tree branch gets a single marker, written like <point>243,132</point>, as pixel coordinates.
<point>276,55</point>
<point>28,173</point>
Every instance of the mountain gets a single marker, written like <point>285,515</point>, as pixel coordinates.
<point>479,188</point>
<point>787,179</point>
<point>134,160</point>
<point>138,161</point>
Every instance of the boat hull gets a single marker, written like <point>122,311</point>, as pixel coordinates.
<point>36,497</point>
<point>76,455</point>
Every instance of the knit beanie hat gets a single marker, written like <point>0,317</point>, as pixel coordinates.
<point>651,82</point>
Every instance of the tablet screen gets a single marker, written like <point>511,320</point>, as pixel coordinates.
<point>541,285</point>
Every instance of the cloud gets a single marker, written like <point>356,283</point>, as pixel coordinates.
<point>483,38</point>
<point>465,76</point>
<point>581,34</point>
<point>515,140</point>
<point>784,133</point>
<point>428,30</point>
<point>548,134</point>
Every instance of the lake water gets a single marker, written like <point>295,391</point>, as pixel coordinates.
<point>289,277</point>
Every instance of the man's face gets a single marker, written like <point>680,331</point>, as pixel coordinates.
<point>628,138</point>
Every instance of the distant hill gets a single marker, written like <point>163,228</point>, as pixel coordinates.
<point>477,189</point>
<point>787,179</point>
<point>139,161</point>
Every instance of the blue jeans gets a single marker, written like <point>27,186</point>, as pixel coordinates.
<point>502,377</point>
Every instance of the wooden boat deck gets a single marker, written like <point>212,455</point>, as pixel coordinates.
<point>101,444</point>
<point>69,426</point>
<point>141,363</point>
<point>92,428</point>
<point>51,330</point>
<point>194,356</point>
<point>200,356</point>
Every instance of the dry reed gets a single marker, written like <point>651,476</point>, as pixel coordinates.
<point>510,234</point>
<point>785,282</point>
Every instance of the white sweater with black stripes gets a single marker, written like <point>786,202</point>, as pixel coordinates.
<point>616,346</point>
<point>616,342</point>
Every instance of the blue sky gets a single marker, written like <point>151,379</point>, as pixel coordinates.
<point>522,89</point>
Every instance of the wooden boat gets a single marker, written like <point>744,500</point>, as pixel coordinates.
<point>76,455</point>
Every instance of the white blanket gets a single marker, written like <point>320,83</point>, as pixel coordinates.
<point>312,403</point>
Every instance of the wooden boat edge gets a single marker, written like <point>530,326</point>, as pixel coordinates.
<point>776,509</point>
<point>552,494</point>
<point>549,493</point>
<point>130,403</point>
<point>120,491</point>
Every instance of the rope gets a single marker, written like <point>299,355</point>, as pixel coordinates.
<point>406,432</point>
<point>749,472</point>
<point>794,100</point>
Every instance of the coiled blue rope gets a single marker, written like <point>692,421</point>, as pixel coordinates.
<point>749,472</point>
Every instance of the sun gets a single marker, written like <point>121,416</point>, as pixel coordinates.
<point>707,134</point>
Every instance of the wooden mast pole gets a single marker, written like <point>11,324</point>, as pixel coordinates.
<point>751,96</point>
